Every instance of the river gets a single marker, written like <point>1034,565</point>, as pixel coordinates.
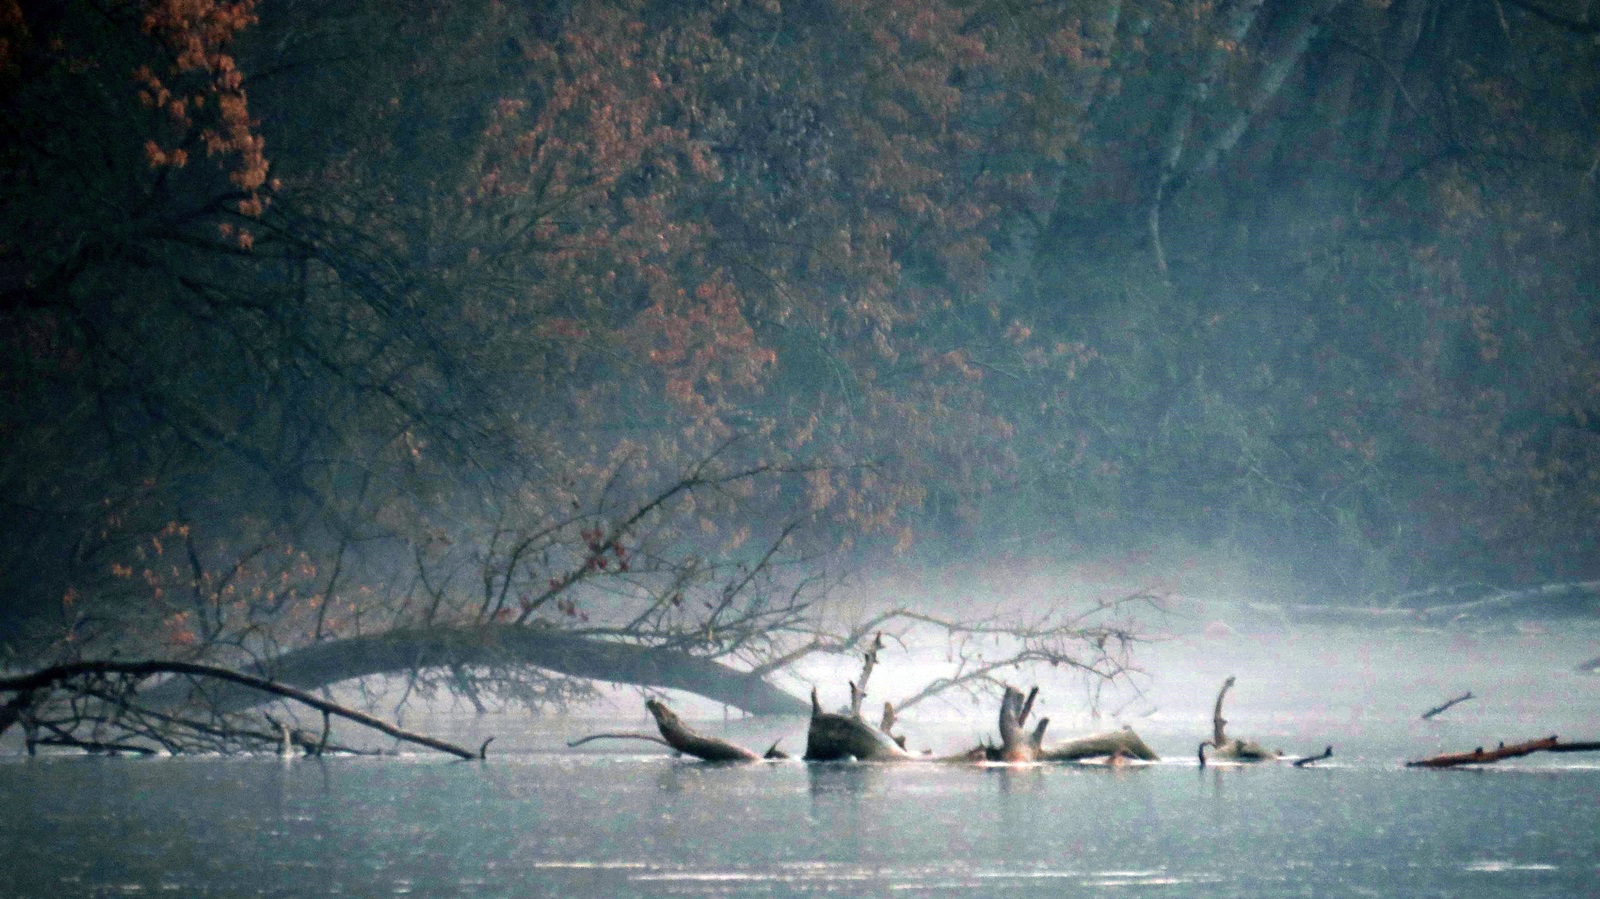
<point>625,819</point>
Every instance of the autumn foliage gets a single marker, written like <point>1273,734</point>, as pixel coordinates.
<point>575,315</point>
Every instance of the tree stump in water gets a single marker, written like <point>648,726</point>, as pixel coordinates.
<point>836,737</point>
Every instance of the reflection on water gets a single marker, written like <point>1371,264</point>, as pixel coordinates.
<point>645,825</point>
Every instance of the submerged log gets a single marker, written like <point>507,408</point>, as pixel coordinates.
<point>1124,741</point>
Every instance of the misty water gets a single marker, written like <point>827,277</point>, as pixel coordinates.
<point>624,819</point>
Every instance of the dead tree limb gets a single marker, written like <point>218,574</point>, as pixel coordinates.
<point>1428,715</point>
<point>627,735</point>
<point>58,674</point>
<point>1016,745</point>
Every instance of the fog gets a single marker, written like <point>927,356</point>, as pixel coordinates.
<point>473,356</point>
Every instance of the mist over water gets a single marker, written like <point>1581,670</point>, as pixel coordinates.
<point>628,819</point>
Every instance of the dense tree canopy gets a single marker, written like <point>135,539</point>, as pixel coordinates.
<point>614,315</point>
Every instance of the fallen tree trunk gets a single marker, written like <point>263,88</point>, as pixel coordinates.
<point>29,685</point>
<point>402,651</point>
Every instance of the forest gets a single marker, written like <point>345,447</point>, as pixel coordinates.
<point>515,344</point>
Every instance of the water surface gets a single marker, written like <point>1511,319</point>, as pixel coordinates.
<point>612,824</point>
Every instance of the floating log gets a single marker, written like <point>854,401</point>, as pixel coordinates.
<point>1124,741</point>
<point>1428,715</point>
<point>1481,756</point>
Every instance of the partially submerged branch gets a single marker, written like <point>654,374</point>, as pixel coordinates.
<point>167,729</point>
<point>1481,757</point>
<point>629,735</point>
<point>1313,759</point>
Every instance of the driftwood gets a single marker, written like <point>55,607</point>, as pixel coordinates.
<point>1428,715</point>
<point>1226,749</point>
<point>847,736</point>
<point>28,688</point>
<point>1481,756</point>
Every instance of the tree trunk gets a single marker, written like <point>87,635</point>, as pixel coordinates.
<point>401,651</point>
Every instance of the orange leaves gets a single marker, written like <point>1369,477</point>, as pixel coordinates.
<point>158,157</point>
<point>202,77</point>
